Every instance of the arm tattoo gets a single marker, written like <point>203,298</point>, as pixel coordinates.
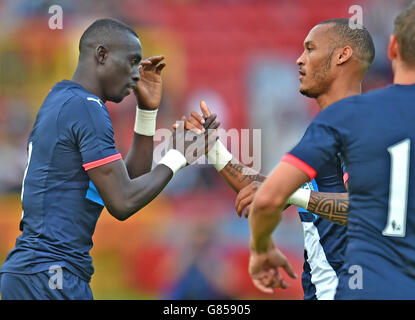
<point>331,206</point>
<point>253,177</point>
<point>240,171</point>
<point>239,175</point>
<point>234,169</point>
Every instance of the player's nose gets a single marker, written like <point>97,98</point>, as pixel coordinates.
<point>135,77</point>
<point>300,60</point>
<point>135,74</point>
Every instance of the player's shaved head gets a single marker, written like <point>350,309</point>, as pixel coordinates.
<point>104,32</point>
<point>109,58</point>
<point>405,34</point>
<point>358,38</point>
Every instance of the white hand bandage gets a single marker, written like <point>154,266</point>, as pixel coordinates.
<point>300,198</point>
<point>219,156</point>
<point>174,159</point>
<point>145,122</point>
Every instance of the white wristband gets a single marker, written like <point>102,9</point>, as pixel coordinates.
<point>300,198</point>
<point>145,122</point>
<point>219,156</point>
<point>174,159</point>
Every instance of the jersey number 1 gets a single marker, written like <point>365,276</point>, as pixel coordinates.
<point>398,189</point>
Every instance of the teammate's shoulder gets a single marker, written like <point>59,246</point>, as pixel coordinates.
<point>339,109</point>
<point>87,99</point>
<point>376,94</point>
<point>348,102</point>
<point>85,102</point>
<point>356,102</point>
<point>79,104</point>
<point>78,95</point>
<point>81,107</point>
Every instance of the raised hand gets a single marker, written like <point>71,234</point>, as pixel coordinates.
<point>149,89</point>
<point>196,121</point>
<point>199,124</point>
<point>264,269</point>
<point>193,145</point>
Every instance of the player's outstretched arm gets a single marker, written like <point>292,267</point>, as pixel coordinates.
<point>270,200</point>
<point>124,196</point>
<point>148,95</point>
<point>246,181</point>
<point>265,215</point>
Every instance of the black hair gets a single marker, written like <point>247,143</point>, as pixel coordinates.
<point>104,29</point>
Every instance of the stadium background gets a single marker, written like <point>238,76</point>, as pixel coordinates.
<point>238,55</point>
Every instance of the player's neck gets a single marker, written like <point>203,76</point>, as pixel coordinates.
<point>88,81</point>
<point>339,92</point>
<point>404,76</point>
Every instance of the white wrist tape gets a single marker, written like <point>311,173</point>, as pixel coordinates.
<point>145,122</point>
<point>174,159</point>
<point>219,156</point>
<point>300,198</point>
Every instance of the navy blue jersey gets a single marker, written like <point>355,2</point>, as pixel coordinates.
<point>72,133</point>
<point>375,134</point>
<point>324,241</point>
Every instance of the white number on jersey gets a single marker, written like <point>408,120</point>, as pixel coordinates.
<point>398,189</point>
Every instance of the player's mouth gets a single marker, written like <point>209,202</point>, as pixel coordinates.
<point>302,75</point>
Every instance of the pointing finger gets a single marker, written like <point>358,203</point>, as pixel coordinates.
<point>205,110</point>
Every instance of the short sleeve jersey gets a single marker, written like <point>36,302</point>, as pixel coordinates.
<point>72,134</point>
<point>375,134</point>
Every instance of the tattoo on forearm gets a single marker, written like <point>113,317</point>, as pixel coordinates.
<point>253,177</point>
<point>234,169</point>
<point>330,206</point>
<point>240,171</point>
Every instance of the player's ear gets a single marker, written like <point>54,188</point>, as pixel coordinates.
<point>101,54</point>
<point>344,54</point>
<point>393,48</point>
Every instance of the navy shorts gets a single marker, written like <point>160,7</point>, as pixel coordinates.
<point>62,285</point>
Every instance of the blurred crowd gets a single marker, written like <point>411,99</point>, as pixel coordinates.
<point>237,55</point>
